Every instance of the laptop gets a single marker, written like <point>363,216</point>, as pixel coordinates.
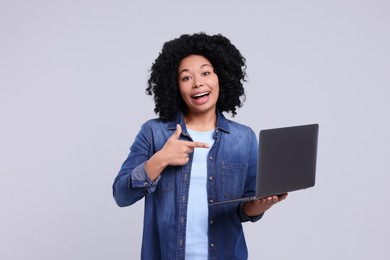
<point>286,161</point>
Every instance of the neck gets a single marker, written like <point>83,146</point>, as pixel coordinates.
<point>201,122</point>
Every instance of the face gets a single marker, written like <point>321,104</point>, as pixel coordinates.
<point>198,84</point>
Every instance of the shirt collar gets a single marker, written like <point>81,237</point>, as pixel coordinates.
<point>222,123</point>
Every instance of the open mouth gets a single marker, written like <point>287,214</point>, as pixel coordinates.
<point>200,95</point>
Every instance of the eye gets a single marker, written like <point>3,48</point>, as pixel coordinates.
<point>206,73</point>
<point>185,78</point>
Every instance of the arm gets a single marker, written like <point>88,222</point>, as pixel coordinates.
<point>132,182</point>
<point>141,171</point>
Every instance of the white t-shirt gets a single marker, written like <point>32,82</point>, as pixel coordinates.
<point>197,211</point>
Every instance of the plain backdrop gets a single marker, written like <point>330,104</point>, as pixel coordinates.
<point>72,98</point>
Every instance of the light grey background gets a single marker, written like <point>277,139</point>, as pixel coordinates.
<point>72,82</point>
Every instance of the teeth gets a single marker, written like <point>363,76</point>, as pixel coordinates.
<point>201,94</point>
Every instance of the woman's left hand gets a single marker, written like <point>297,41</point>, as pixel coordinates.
<point>257,207</point>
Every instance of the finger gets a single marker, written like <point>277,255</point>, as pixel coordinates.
<point>186,156</point>
<point>256,201</point>
<point>177,132</point>
<point>282,196</point>
<point>259,202</point>
<point>188,150</point>
<point>197,145</point>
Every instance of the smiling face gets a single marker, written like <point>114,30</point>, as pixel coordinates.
<point>198,84</point>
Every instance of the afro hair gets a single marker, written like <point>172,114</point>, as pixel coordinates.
<point>228,63</point>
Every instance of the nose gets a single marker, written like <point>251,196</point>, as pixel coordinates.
<point>197,83</point>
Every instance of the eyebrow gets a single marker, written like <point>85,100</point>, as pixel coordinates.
<point>204,65</point>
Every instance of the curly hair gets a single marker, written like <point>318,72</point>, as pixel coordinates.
<point>228,63</point>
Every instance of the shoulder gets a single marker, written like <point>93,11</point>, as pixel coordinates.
<point>157,129</point>
<point>238,128</point>
<point>153,132</point>
<point>154,123</point>
<point>233,127</point>
<point>241,133</point>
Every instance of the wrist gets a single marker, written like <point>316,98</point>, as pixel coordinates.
<point>160,160</point>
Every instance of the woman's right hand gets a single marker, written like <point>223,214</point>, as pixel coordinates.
<point>174,152</point>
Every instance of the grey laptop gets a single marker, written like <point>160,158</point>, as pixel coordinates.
<point>287,161</point>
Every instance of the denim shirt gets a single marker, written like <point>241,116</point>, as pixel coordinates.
<point>231,174</point>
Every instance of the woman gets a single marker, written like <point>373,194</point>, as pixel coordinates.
<point>192,156</point>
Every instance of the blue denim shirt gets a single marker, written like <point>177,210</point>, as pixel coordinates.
<point>231,173</point>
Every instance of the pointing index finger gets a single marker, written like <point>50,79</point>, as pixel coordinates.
<point>197,144</point>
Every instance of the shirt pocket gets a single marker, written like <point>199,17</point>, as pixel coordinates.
<point>233,179</point>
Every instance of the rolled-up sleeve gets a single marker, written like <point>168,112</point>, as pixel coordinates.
<point>132,182</point>
<point>139,179</point>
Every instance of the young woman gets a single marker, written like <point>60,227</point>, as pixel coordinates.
<point>192,156</point>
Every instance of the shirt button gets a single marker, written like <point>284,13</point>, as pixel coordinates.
<point>211,158</point>
<point>212,245</point>
<point>211,222</point>
<point>211,178</point>
<point>211,201</point>
<point>146,183</point>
